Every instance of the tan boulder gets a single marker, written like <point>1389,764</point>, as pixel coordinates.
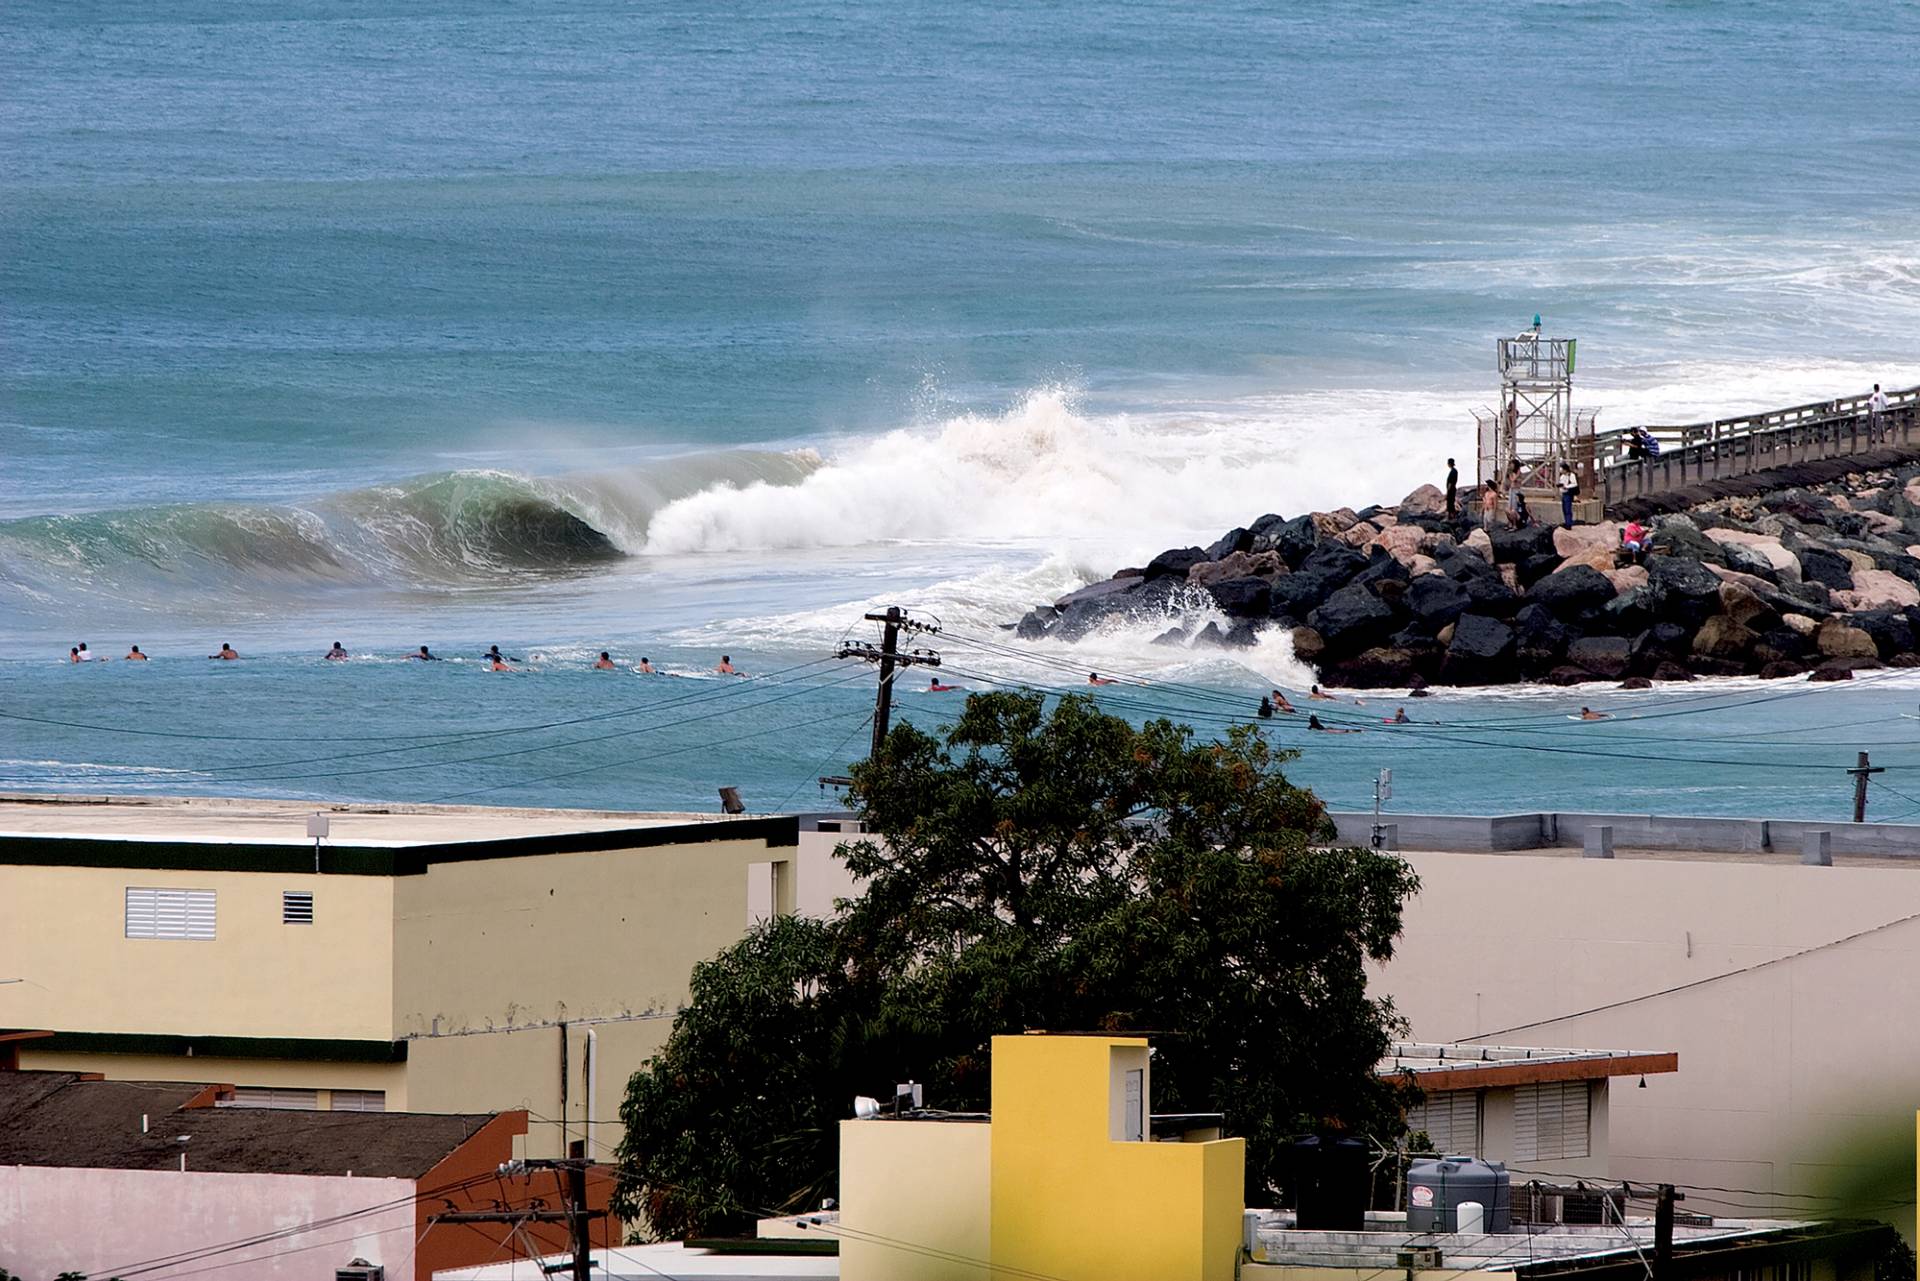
<point>1625,580</point>
<point>1445,634</point>
<point>1361,535</point>
<point>1422,565</point>
<point>1913,549</point>
<point>1800,623</point>
<point>1723,637</point>
<point>1600,558</point>
<point>1881,523</point>
<point>1841,501</point>
<point>1859,560</point>
<point>1237,565</point>
<point>1385,520</point>
<point>1308,644</point>
<point>1438,545</point>
<point>1402,542</point>
<point>1912,491</point>
<point>1876,589</point>
<point>1748,581</point>
<point>1480,545</point>
<point>1510,575</point>
<point>1428,500</point>
<point>1584,538</point>
<point>1337,521</point>
<point>1837,640</point>
<point>1739,603</point>
<point>1784,562</point>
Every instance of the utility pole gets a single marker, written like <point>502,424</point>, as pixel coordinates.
<point>575,1214</point>
<point>1663,1232</point>
<point>1860,773</point>
<point>889,656</point>
<point>1382,791</point>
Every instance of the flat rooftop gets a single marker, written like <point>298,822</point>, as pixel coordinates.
<point>1517,1250</point>
<point>219,820</point>
<point>1458,1067</point>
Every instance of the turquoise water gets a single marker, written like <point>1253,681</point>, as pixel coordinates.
<point>681,332</point>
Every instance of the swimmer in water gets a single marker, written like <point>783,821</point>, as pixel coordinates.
<point>135,656</point>
<point>605,664</point>
<point>493,655</point>
<point>73,654</point>
<point>935,687</point>
<point>227,653</point>
<point>1280,703</point>
<point>86,655</point>
<point>499,664</point>
<point>337,653</point>
<point>1313,723</point>
<point>1588,714</point>
<point>726,667</point>
<point>1399,717</point>
<point>1319,696</point>
<point>424,655</point>
<point>1266,708</point>
<point>646,667</point>
<point>1095,678</point>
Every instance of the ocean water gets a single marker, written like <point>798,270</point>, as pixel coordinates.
<point>678,332</point>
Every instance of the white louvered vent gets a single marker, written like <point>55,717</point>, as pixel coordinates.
<point>359,1100</point>
<point>1451,1119</point>
<point>263,1096</point>
<point>169,914</point>
<point>296,907</point>
<point>1550,1121</point>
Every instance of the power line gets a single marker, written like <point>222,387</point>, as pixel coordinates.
<point>1702,982</point>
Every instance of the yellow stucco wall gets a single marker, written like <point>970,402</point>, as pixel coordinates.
<point>914,1201</point>
<point>1070,1201</point>
<point>63,931</point>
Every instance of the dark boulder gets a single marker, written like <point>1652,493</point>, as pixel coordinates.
<point>1480,653</point>
<point>1308,645</point>
<point>1671,671</point>
<point>1334,561</point>
<point>1293,539</point>
<point>1575,591</point>
<point>1245,633</point>
<point>1382,568</point>
<point>1636,682</point>
<point>1720,637</point>
<point>1514,546</point>
<point>1234,540</point>
<point>1701,665</point>
<point>1627,614</point>
<point>1829,569</point>
<point>1377,668</point>
<point>1780,669</point>
<point>1461,565</point>
<point>1490,595</point>
<point>1175,562</point>
<point>1243,597</point>
<point>1683,591</point>
<point>1892,633</point>
<point>1210,637</point>
<point>1176,636</point>
<point>1837,670</point>
<point>1606,656</point>
<point>1435,600</point>
<point>1569,675</point>
<point>1299,594</point>
<point>1035,622</point>
<point>1534,568</point>
<point>1352,619</point>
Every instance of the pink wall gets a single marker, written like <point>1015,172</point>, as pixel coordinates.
<point>55,1219</point>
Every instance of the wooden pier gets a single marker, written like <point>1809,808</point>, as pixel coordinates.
<point>1693,453</point>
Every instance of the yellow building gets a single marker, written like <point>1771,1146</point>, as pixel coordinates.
<point>440,959</point>
<point>1064,1181</point>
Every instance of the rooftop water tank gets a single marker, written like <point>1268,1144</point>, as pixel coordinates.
<point>1437,1186</point>
<point>1332,1182</point>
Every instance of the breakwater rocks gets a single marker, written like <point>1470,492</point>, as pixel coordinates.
<point>1817,581</point>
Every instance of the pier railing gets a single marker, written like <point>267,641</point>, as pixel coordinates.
<point>1694,452</point>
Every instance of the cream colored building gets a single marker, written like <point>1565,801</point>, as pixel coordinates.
<point>441,959</point>
<point>1791,994</point>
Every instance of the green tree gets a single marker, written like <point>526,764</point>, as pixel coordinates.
<point>1063,871</point>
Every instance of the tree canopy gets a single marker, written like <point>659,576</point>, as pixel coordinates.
<point>1027,869</point>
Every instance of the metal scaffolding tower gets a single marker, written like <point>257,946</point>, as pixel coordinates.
<point>1535,423</point>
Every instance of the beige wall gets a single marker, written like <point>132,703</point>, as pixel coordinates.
<point>291,1074</point>
<point>923,1184</point>
<point>1776,1065</point>
<point>63,931</point>
<point>492,956</point>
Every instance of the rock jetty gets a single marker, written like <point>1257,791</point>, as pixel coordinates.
<point>1815,580</point>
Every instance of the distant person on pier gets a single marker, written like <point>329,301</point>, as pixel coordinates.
<point>338,653</point>
<point>604,664</point>
<point>227,653</point>
<point>1453,481</point>
<point>1569,490</point>
<point>1489,506</point>
<point>1095,678</point>
<point>135,656</point>
<point>1876,414</point>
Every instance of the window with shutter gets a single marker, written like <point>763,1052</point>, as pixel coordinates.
<point>264,1096</point>
<point>1551,1121</point>
<point>296,907</point>
<point>359,1100</point>
<point>1451,1119</point>
<point>169,913</point>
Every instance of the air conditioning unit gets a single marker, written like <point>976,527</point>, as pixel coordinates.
<point>360,1270</point>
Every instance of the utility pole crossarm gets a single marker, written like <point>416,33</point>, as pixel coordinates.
<point>890,657</point>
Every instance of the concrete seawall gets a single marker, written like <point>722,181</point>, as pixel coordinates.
<point>1497,833</point>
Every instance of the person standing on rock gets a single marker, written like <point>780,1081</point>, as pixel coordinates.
<point>1489,506</point>
<point>1453,480</point>
<point>1569,490</point>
